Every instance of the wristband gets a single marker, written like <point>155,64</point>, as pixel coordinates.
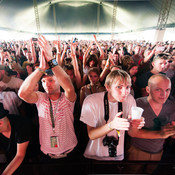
<point>52,63</point>
<point>109,125</point>
<point>42,71</point>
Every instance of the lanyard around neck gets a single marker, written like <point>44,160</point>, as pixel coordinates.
<point>52,115</point>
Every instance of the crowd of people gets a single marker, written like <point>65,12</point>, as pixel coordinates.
<point>69,100</point>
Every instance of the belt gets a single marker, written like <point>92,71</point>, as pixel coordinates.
<point>55,156</point>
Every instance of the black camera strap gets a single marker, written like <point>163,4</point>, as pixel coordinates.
<point>112,152</point>
<point>106,107</point>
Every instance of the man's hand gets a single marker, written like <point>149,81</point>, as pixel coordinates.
<point>167,131</point>
<point>44,44</point>
<point>137,123</point>
<point>43,63</point>
<point>120,123</point>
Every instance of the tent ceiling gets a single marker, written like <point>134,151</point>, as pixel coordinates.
<point>81,16</point>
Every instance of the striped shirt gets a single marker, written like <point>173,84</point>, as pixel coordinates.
<point>64,129</point>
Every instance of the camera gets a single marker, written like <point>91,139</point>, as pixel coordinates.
<point>112,143</point>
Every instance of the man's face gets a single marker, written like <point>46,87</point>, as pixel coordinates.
<point>118,91</point>
<point>159,90</point>
<point>50,84</point>
<point>160,65</point>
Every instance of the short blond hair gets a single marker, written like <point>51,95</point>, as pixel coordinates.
<point>117,75</point>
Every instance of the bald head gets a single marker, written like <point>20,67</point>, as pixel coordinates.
<point>154,79</point>
<point>159,88</point>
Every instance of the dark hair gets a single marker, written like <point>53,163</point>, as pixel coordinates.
<point>94,69</point>
<point>163,56</point>
<point>131,66</point>
<point>94,58</point>
<point>68,67</point>
<point>24,48</point>
<point>116,52</point>
<point>31,65</point>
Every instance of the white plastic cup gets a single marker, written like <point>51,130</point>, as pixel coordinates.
<point>136,112</point>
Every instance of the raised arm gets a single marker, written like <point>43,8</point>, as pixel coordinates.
<point>99,47</point>
<point>58,46</point>
<point>148,57</point>
<point>33,51</point>
<point>106,69</point>
<point>62,77</point>
<point>27,89</point>
<point>86,54</point>
<point>75,66</point>
<point>63,54</point>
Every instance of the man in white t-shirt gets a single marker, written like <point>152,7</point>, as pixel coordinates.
<point>93,113</point>
<point>9,82</point>
<point>55,109</point>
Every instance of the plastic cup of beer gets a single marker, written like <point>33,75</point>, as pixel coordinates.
<point>136,112</point>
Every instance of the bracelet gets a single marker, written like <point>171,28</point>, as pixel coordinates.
<point>109,125</point>
<point>42,71</point>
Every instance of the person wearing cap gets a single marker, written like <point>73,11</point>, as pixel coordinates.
<point>15,135</point>
<point>159,113</point>
<point>55,109</point>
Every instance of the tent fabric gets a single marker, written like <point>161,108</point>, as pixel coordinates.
<point>81,16</point>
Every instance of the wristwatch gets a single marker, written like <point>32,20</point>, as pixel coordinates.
<point>52,63</point>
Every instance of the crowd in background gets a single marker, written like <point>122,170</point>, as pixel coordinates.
<point>87,63</point>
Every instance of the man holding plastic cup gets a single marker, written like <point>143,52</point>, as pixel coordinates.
<point>159,113</point>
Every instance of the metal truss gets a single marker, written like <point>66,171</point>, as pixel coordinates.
<point>164,13</point>
<point>36,16</point>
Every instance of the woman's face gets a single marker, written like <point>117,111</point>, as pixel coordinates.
<point>133,71</point>
<point>103,63</point>
<point>93,78</point>
<point>91,63</point>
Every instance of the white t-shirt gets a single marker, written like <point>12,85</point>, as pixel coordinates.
<point>14,83</point>
<point>93,115</point>
<point>10,101</point>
